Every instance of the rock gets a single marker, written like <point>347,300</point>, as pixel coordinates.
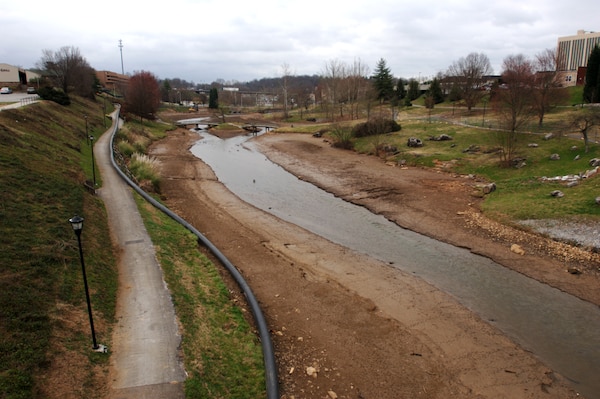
<point>516,248</point>
<point>574,148</point>
<point>488,188</point>
<point>472,148</point>
<point>441,137</point>
<point>557,194</point>
<point>573,183</point>
<point>555,157</point>
<point>532,145</point>
<point>332,394</point>
<point>414,142</point>
<point>594,162</point>
<point>574,270</point>
<point>597,200</point>
<point>576,158</point>
<point>311,371</point>
<point>590,173</point>
<point>548,136</point>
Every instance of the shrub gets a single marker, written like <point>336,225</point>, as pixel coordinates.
<point>375,126</point>
<point>51,94</point>
<point>145,168</point>
<point>342,137</point>
<point>125,148</point>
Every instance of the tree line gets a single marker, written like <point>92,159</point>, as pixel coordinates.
<point>526,87</point>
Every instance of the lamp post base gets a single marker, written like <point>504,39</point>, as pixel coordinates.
<point>101,349</point>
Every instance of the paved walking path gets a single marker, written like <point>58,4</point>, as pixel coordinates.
<point>145,361</point>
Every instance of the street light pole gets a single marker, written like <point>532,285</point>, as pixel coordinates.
<point>93,163</point>
<point>77,224</point>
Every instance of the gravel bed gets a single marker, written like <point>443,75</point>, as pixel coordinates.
<point>586,234</point>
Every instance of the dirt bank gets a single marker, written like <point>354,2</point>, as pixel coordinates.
<point>369,330</point>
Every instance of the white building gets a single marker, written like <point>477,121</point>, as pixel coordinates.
<point>573,53</point>
<point>15,77</point>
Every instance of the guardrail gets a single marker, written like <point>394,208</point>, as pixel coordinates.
<point>272,385</point>
<point>29,99</point>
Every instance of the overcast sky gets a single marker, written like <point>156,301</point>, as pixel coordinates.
<point>241,40</point>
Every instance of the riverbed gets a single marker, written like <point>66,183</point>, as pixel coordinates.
<point>560,329</point>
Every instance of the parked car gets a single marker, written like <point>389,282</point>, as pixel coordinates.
<point>31,90</point>
<point>5,90</point>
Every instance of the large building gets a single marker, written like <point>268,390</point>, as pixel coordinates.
<point>16,77</point>
<point>112,81</point>
<point>573,53</point>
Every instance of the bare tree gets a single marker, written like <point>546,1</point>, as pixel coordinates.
<point>584,121</point>
<point>69,70</point>
<point>547,92</point>
<point>285,76</point>
<point>357,86</point>
<point>333,75</point>
<point>468,75</point>
<point>513,101</point>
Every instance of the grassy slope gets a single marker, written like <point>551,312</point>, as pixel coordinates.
<point>222,354</point>
<point>43,153</point>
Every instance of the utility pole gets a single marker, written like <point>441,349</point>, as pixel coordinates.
<point>121,49</point>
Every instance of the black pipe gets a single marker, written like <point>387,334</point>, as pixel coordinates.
<point>272,384</point>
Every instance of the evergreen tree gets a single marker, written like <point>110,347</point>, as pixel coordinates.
<point>400,91</point>
<point>213,98</point>
<point>591,90</point>
<point>435,91</point>
<point>166,90</point>
<point>414,90</point>
<point>383,81</point>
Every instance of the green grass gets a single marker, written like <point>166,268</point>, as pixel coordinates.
<point>222,354</point>
<point>521,193</point>
<point>41,156</point>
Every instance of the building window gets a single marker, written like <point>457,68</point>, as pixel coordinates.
<point>569,78</point>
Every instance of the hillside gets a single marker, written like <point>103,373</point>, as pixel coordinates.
<point>44,328</point>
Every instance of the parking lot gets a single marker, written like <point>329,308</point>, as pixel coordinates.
<point>16,99</point>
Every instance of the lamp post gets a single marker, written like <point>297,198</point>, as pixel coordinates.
<point>93,163</point>
<point>77,224</point>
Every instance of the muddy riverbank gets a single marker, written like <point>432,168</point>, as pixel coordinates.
<point>369,330</point>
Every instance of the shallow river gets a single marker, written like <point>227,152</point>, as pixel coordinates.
<point>561,330</point>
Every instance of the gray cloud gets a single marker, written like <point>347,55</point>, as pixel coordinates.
<point>203,40</point>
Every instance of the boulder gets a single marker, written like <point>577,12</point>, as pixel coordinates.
<point>472,149</point>
<point>594,162</point>
<point>488,188</point>
<point>557,194</point>
<point>516,248</point>
<point>441,137</point>
<point>414,142</point>
<point>555,157</point>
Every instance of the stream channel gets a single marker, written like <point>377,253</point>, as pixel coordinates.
<point>560,329</point>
